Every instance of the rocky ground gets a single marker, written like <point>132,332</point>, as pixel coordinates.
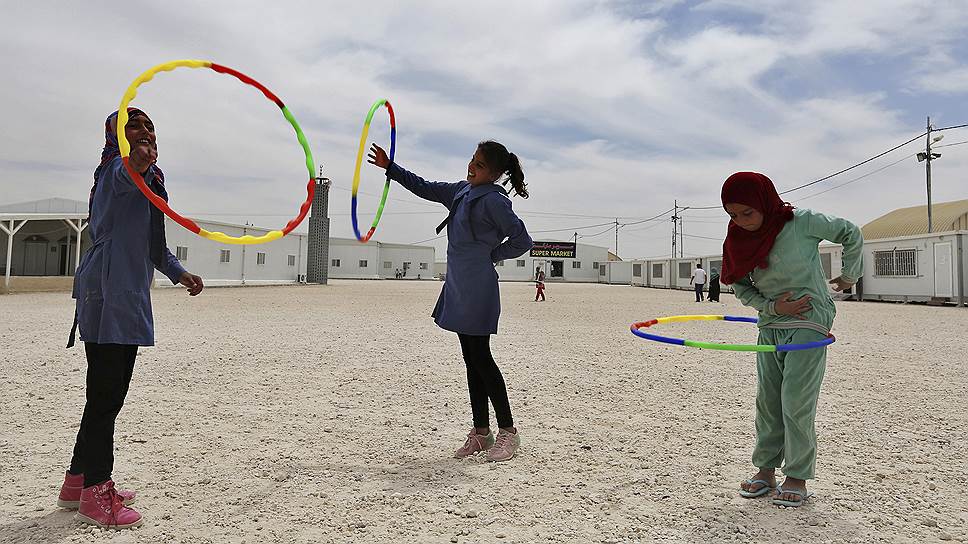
<point>329,414</point>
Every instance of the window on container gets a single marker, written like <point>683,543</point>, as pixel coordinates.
<point>637,270</point>
<point>601,270</point>
<point>424,266</point>
<point>657,270</point>
<point>260,258</point>
<point>499,263</point>
<point>387,264</point>
<point>521,263</point>
<point>181,253</point>
<point>718,265</point>
<point>364,263</point>
<point>576,264</point>
<point>292,260</point>
<point>896,262</point>
<point>595,265</point>
<point>224,256</point>
<point>685,271</point>
<point>334,263</point>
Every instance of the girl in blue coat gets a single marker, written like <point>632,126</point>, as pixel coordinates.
<point>113,312</point>
<point>482,229</point>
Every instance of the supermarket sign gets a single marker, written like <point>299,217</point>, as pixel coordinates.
<point>562,250</point>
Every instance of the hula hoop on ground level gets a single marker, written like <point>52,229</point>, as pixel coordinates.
<point>636,330</point>
<point>161,204</point>
<point>359,161</point>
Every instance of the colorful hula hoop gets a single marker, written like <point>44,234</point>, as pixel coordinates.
<point>636,330</point>
<point>359,162</point>
<point>161,204</point>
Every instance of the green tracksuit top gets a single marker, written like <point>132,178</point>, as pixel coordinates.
<point>794,266</point>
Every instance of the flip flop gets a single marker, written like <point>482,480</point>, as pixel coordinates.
<point>804,495</point>
<point>759,492</point>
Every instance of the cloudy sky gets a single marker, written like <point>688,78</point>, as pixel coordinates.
<point>616,108</point>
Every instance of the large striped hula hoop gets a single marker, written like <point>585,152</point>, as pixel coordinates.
<point>636,329</point>
<point>160,202</point>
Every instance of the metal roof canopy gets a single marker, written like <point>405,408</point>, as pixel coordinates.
<point>9,225</point>
<point>948,216</point>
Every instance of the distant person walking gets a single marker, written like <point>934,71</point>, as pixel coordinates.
<point>698,279</point>
<point>539,277</point>
<point>714,285</point>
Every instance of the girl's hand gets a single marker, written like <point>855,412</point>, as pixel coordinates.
<point>192,282</point>
<point>795,308</point>
<point>840,284</point>
<point>378,157</point>
<point>142,156</point>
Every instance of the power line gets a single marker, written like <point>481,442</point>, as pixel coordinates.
<point>948,128</point>
<point>871,173</point>
<point>825,178</point>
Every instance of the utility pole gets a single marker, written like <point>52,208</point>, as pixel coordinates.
<point>675,224</point>
<point>928,156</point>
<point>616,237</point>
<point>576,241</point>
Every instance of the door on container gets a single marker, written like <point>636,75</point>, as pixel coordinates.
<point>943,268</point>
<point>35,258</point>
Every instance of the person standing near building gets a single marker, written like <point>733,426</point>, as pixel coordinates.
<point>482,229</point>
<point>713,284</point>
<point>539,277</point>
<point>698,279</point>
<point>113,312</point>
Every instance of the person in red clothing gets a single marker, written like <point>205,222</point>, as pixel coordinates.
<point>539,277</point>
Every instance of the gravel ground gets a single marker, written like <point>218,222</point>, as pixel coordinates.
<point>329,414</point>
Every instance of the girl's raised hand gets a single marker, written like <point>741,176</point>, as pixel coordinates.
<point>796,308</point>
<point>378,157</point>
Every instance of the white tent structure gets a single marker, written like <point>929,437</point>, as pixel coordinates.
<point>13,219</point>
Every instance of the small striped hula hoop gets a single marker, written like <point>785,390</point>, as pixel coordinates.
<point>160,203</point>
<point>636,329</point>
<point>364,238</point>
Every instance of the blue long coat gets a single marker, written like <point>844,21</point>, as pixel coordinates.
<point>112,283</point>
<point>482,230</point>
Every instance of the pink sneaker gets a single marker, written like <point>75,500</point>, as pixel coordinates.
<point>70,493</point>
<point>475,443</point>
<point>504,447</point>
<point>101,506</point>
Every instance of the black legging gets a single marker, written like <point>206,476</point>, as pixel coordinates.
<point>109,370</point>
<point>484,380</point>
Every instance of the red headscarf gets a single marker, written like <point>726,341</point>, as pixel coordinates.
<point>744,250</point>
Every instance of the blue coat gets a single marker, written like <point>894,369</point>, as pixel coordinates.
<point>112,283</point>
<point>482,230</point>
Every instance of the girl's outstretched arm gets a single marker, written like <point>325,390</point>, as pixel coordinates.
<point>434,191</point>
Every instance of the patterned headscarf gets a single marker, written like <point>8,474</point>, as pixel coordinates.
<point>157,185</point>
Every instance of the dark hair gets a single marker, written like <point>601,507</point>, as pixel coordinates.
<point>499,158</point>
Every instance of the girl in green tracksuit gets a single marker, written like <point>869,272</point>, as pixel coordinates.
<point>771,259</point>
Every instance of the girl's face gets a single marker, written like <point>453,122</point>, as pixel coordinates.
<point>478,172</point>
<point>745,217</point>
<point>140,131</point>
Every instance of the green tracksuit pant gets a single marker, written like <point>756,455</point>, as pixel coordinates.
<point>786,402</point>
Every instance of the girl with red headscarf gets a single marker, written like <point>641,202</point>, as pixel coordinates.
<point>771,259</point>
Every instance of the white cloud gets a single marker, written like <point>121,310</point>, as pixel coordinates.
<point>615,111</point>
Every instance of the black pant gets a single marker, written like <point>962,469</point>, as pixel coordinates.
<point>699,287</point>
<point>109,369</point>
<point>484,380</point>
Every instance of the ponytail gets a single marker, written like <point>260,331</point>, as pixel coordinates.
<point>498,157</point>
